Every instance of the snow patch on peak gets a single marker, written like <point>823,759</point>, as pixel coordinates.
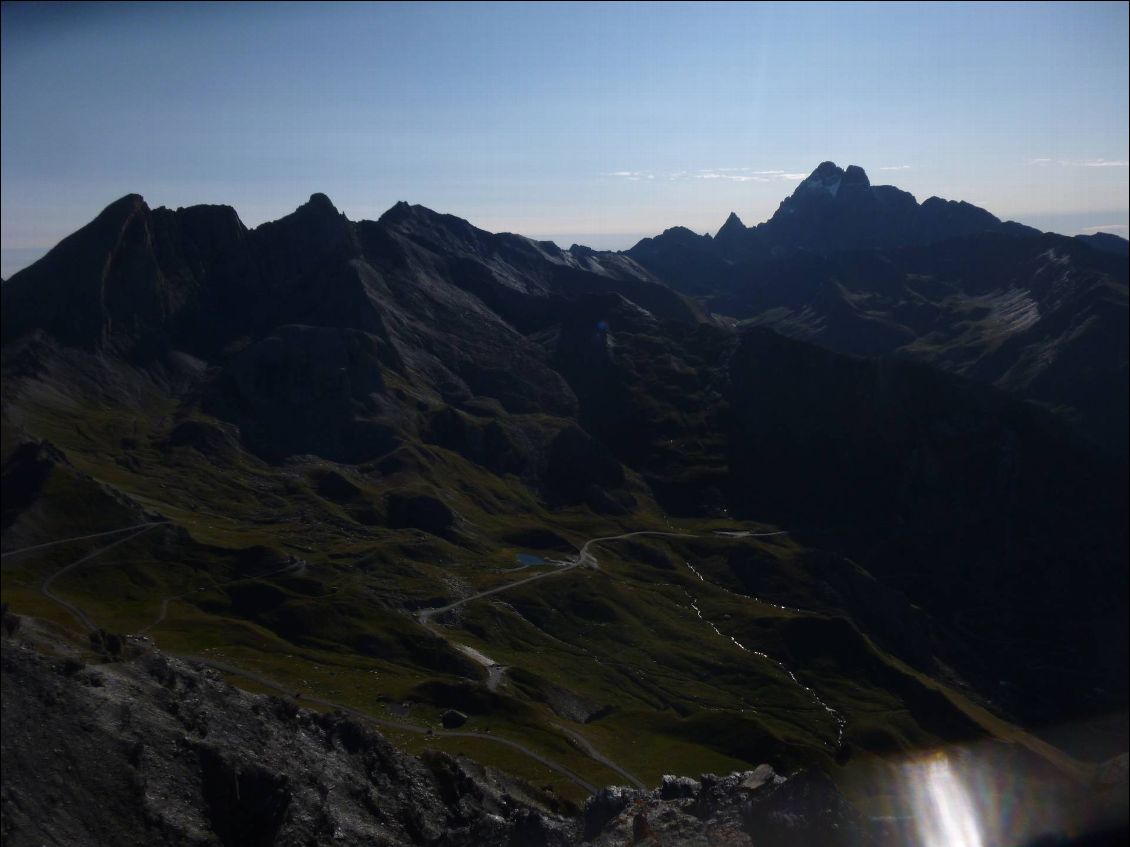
<point>826,178</point>
<point>814,185</point>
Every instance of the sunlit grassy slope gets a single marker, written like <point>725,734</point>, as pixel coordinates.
<point>665,659</point>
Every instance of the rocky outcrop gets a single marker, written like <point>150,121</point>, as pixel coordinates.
<point>154,750</point>
<point>744,808</point>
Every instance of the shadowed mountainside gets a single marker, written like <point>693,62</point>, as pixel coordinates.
<point>866,270</point>
<point>332,427</point>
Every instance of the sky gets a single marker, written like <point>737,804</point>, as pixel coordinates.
<point>590,123</point>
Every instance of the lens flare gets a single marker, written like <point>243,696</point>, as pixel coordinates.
<point>945,814</point>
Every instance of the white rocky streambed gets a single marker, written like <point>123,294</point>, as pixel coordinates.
<point>836,716</point>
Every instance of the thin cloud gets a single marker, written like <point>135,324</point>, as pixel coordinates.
<point>634,176</point>
<point>1081,163</point>
<point>1116,228</point>
<point>746,175</point>
<point>733,177</point>
<point>896,168</point>
<point>729,174</point>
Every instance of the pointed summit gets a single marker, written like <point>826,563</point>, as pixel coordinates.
<point>123,206</point>
<point>90,245</point>
<point>732,229</point>
<point>318,212</point>
<point>825,179</point>
<point>838,209</point>
<point>96,286</point>
<point>320,204</point>
<point>826,171</point>
<point>829,176</point>
<point>311,233</point>
<point>732,222</point>
<point>399,212</point>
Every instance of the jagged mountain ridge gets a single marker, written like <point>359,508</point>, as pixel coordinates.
<point>839,209</point>
<point>196,279</point>
<point>445,394</point>
<point>866,270</point>
<point>832,210</point>
<point>426,296</point>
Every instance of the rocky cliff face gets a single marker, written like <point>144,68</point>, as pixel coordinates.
<point>157,751</point>
<point>153,750</point>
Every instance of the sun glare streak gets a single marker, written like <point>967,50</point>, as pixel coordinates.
<point>945,813</point>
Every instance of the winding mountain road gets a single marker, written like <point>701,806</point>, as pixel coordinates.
<point>81,538</point>
<point>90,626</point>
<point>496,670</point>
<point>45,586</point>
<point>584,558</point>
<point>597,756</point>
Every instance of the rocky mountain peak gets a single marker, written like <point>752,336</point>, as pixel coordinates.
<point>826,171</point>
<point>128,204</point>
<point>318,204</point>
<point>401,211</point>
<point>829,178</point>
<point>825,179</point>
<point>732,224</point>
<point>855,176</point>
<point>317,226</point>
<point>108,224</point>
<point>211,224</point>
<point>681,233</point>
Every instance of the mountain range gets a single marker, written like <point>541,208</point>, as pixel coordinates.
<point>822,492</point>
<point>866,270</point>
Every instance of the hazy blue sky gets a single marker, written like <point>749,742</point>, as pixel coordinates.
<point>595,123</point>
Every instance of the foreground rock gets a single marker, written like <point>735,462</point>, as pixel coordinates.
<point>155,750</point>
<point>751,807</point>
